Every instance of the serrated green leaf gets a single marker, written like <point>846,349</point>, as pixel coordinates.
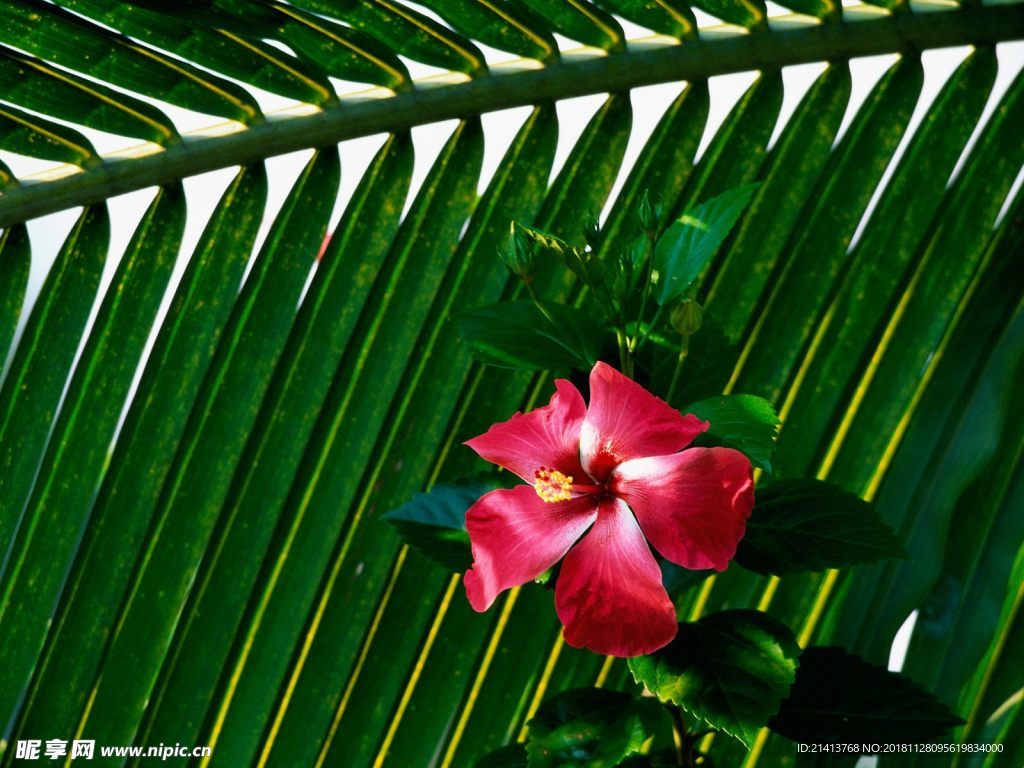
<point>744,422</point>
<point>590,728</point>
<point>435,523</point>
<point>810,525</point>
<point>689,243</point>
<point>521,334</point>
<point>839,697</point>
<point>730,669</point>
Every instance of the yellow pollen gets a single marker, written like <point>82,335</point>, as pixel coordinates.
<point>551,485</point>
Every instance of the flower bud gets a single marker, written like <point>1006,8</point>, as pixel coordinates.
<point>519,255</point>
<point>650,213</point>
<point>686,317</point>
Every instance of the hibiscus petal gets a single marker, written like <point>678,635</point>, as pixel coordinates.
<point>609,593</point>
<point>544,437</point>
<point>692,506</point>
<point>625,421</point>
<point>516,537</point>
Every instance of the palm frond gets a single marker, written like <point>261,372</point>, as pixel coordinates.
<point>191,480</point>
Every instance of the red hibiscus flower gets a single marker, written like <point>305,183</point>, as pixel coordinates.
<point>603,482</point>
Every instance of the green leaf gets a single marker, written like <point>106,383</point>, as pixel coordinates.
<point>320,335</point>
<point>580,21</point>
<point>300,630</point>
<point>521,334</point>
<point>7,179</point>
<point>730,669</point>
<point>921,486</point>
<point>41,87</point>
<point>38,373</point>
<point>791,170</point>
<point>744,422</point>
<point>747,13</point>
<point>689,243</point>
<point>876,276</point>
<point>340,50</point>
<point>663,168</point>
<point>590,728</point>
<point>821,236</point>
<point>71,41</point>
<point>359,415</point>
<point>669,17</point>
<point>582,184</point>
<point>143,457</point>
<point>15,261</point>
<point>200,476</point>
<point>678,580</point>
<point>503,26</point>
<point>190,86</point>
<point>405,31</point>
<point>77,454</point>
<point>250,60</point>
<point>34,136</point>
<point>810,525</point>
<point>839,697</point>
<point>435,523</point>
<point>829,9</point>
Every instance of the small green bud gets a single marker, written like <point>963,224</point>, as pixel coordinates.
<point>686,317</point>
<point>519,255</point>
<point>650,213</point>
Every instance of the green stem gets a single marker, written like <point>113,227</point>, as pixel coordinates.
<point>648,268</point>
<point>625,356</point>
<point>719,52</point>
<point>647,331</point>
<point>536,302</point>
<point>682,742</point>
<point>684,348</point>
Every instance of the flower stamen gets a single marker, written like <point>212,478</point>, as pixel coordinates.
<point>552,486</point>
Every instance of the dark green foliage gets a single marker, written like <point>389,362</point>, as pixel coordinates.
<point>809,525</point>
<point>730,669</point>
<point>838,697</point>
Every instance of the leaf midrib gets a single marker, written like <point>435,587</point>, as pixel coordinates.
<point>723,50</point>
